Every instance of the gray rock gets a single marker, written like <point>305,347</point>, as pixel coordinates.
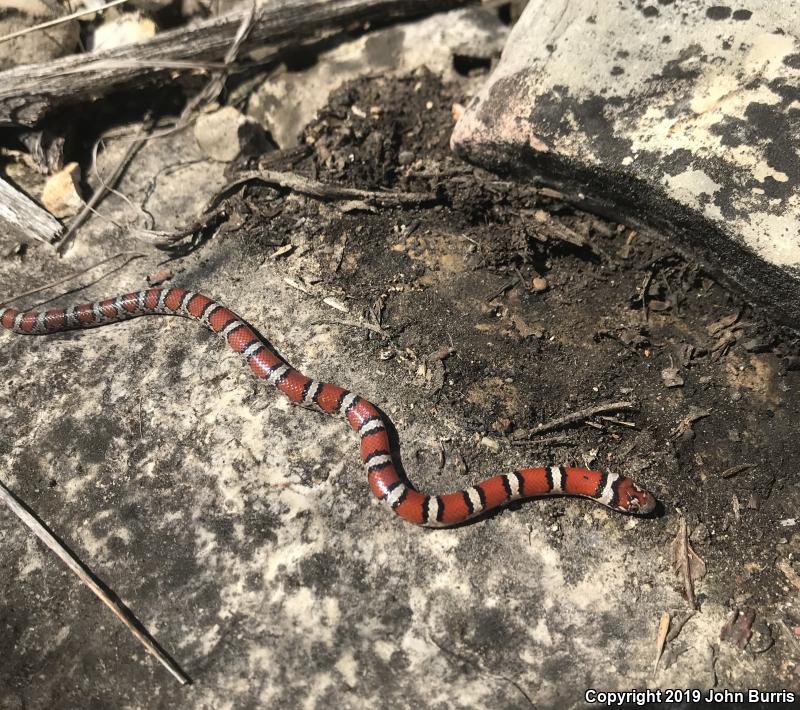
<point>61,194</point>
<point>34,47</point>
<point>285,102</point>
<point>672,377</point>
<point>124,29</point>
<point>226,134</point>
<point>679,116</point>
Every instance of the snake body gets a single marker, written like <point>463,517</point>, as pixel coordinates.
<point>612,490</point>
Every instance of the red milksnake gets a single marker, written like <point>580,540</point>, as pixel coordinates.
<point>612,490</point>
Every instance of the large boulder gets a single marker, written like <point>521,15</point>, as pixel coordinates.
<point>681,116</point>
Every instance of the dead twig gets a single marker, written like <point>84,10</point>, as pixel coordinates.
<point>580,415</point>
<point>621,422</point>
<point>711,659</point>
<point>325,191</point>
<point>282,251</point>
<point>83,573</point>
<point>217,82</point>
<point>503,289</point>
<point>24,218</point>
<point>163,238</point>
<point>338,255</point>
<point>29,93</point>
<point>733,470</point>
<point>645,286</point>
<point>557,439</point>
<point>165,63</point>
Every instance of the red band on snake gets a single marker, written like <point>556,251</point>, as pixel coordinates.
<point>610,489</point>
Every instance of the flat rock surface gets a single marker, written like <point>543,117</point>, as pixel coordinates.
<point>240,530</point>
<point>683,116</point>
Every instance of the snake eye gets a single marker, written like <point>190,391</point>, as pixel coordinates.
<point>645,502</point>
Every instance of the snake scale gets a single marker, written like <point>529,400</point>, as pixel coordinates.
<point>610,489</point>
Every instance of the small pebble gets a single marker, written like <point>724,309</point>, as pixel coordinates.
<point>159,277</point>
<point>61,196</point>
<point>539,284</point>
<point>671,377</point>
<point>490,444</point>
<point>226,134</point>
<point>756,345</point>
<point>502,425</point>
<point>127,28</point>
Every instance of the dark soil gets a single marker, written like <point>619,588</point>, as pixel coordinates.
<point>622,312</point>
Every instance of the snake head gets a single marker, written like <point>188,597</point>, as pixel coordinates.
<point>634,500</point>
